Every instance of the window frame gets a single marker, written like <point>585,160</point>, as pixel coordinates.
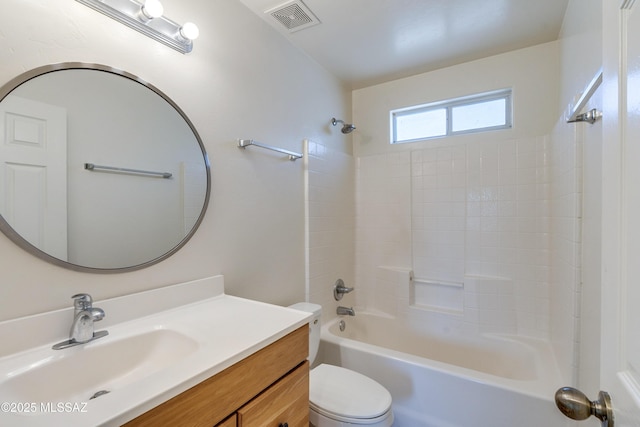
<point>448,105</point>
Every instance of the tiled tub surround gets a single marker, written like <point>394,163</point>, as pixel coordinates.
<point>452,249</point>
<point>473,215</point>
<point>330,222</point>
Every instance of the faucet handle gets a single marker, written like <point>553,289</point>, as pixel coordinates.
<point>82,301</point>
<point>339,289</point>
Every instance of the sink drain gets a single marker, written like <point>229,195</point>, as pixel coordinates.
<point>98,394</point>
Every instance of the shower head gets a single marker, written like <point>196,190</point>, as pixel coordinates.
<point>346,127</point>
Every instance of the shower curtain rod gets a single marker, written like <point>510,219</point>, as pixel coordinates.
<point>590,116</point>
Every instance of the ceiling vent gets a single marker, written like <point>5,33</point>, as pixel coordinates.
<point>294,15</point>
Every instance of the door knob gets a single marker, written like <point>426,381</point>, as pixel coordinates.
<point>574,404</point>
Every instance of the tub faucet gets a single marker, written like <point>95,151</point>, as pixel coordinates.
<point>84,315</point>
<point>345,311</point>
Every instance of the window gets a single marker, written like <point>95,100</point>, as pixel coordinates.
<point>477,113</point>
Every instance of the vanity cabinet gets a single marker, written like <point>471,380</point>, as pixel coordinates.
<point>268,388</point>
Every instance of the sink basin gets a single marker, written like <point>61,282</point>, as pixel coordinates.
<point>161,343</point>
<point>82,372</point>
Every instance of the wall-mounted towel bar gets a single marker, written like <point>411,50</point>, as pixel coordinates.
<point>92,167</point>
<point>244,143</point>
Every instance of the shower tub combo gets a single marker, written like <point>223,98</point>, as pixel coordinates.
<point>486,381</point>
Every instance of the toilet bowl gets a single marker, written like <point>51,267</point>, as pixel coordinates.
<point>340,397</point>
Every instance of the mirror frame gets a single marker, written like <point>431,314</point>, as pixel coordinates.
<point>13,235</point>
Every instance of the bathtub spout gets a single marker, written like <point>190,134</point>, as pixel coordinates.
<point>345,311</point>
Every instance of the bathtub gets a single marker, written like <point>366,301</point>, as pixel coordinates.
<point>484,381</point>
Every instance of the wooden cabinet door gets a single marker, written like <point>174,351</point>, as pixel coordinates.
<point>284,403</point>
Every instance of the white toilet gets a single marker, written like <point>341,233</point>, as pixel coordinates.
<point>339,397</point>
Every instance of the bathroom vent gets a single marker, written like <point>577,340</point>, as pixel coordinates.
<point>294,15</point>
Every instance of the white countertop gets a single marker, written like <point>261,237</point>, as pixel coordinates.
<point>222,330</point>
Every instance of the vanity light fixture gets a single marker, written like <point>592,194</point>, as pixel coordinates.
<point>146,17</point>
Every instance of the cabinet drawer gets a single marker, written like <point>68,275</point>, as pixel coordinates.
<point>287,401</point>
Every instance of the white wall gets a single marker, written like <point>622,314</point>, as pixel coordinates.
<point>468,214</point>
<point>242,80</point>
<point>532,73</point>
<point>576,204</point>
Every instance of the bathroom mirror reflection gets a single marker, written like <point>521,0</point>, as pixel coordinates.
<point>56,119</point>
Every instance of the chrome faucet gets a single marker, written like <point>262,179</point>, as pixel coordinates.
<point>84,315</point>
<point>345,311</point>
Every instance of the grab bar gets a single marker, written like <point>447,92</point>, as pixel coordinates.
<point>244,143</point>
<point>92,167</point>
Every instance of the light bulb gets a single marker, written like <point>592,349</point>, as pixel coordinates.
<point>152,9</point>
<point>189,31</point>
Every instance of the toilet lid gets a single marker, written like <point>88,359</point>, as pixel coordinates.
<point>344,393</point>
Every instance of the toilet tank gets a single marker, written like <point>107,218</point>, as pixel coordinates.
<point>314,326</point>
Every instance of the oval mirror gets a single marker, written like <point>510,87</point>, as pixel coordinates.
<point>101,171</point>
